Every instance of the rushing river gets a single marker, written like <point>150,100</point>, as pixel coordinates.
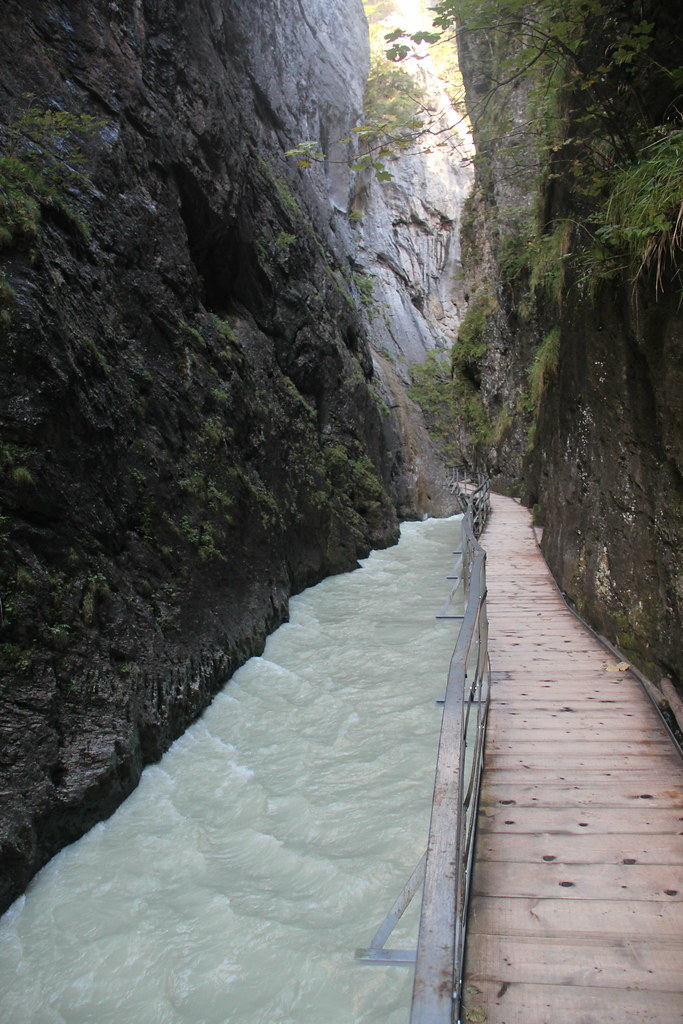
<point>234,885</point>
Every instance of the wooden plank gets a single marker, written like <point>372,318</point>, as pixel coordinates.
<point>554,726</point>
<point>592,680</point>
<point>656,776</point>
<point>533,761</point>
<point>582,673</point>
<point>546,679</point>
<point>562,794</point>
<point>587,695</point>
<point>511,728</point>
<point>580,747</point>
<point>546,641</point>
<point>591,703</point>
<point>534,637</point>
<point>586,962</point>
<point>657,883</point>
<point>578,715</point>
<point>526,655</point>
<point>497,1002</point>
<point>576,821</point>
<point>518,915</point>
<point>589,700</point>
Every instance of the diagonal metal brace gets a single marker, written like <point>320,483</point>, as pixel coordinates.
<point>375,953</point>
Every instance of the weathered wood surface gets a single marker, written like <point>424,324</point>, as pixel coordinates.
<point>576,914</point>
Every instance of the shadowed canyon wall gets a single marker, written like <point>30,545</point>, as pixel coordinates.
<point>576,345</point>
<point>192,425</point>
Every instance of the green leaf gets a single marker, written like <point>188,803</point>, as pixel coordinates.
<point>397,53</point>
<point>426,37</point>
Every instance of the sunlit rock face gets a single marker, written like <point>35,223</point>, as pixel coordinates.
<point>409,250</point>
<point>409,227</point>
<point>188,399</point>
<point>410,245</point>
<point>407,261</point>
<point>308,64</point>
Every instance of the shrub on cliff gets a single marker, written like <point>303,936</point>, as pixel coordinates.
<point>42,166</point>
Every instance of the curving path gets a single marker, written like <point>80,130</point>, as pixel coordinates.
<point>576,913</point>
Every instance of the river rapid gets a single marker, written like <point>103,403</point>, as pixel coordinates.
<point>235,883</point>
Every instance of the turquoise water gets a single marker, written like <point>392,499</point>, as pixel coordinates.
<point>234,885</point>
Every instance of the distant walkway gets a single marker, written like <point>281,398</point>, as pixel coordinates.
<point>576,915</point>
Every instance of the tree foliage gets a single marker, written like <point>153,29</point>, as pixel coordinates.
<point>642,219</point>
<point>604,86</point>
<point>583,43</point>
<point>398,114</point>
<point>577,108</point>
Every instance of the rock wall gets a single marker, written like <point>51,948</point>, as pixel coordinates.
<point>594,441</point>
<point>410,248</point>
<point>607,472</point>
<point>192,428</point>
<point>409,227</point>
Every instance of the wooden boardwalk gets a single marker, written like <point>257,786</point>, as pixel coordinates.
<point>576,913</point>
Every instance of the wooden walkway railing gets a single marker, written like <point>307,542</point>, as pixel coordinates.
<point>576,911</point>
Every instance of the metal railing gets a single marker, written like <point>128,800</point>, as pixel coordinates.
<point>441,941</point>
<point>444,869</point>
<point>473,493</point>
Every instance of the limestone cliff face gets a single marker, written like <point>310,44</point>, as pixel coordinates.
<point>410,247</point>
<point>409,227</point>
<point>191,427</point>
<point>595,441</point>
<point>408,258</point>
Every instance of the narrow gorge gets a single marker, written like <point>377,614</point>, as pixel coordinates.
<point>229,372</point>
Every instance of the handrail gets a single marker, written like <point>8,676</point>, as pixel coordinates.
<point>479,501</point>
<point>441,941</point>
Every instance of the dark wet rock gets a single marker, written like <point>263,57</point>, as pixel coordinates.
<point>190,425</point>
